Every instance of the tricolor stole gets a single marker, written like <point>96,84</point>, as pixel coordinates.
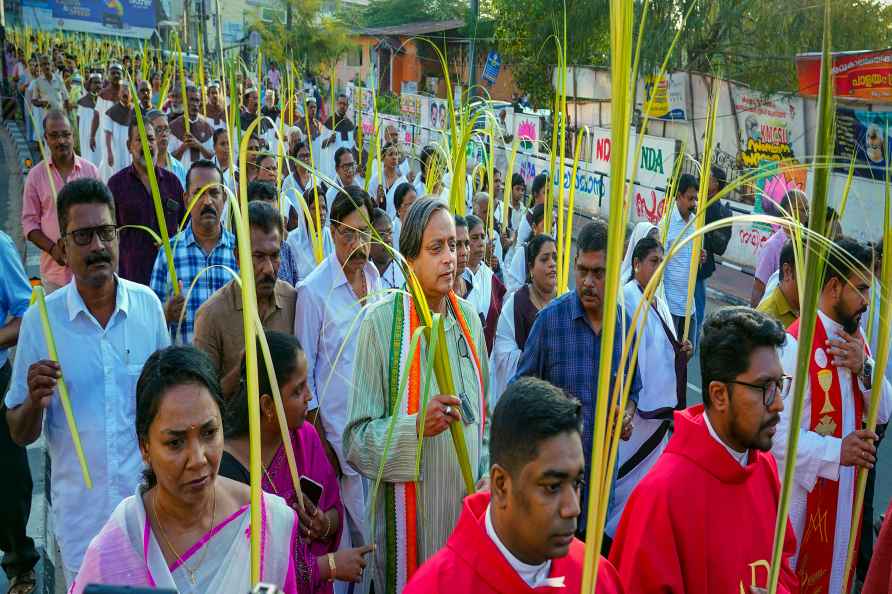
<point>816,551</point>
<point>400,498</point>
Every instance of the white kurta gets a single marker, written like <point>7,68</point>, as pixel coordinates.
<point>84,126</point>
<point>818,456</point>
<point>328,328</point>
<point>175,143</point>
<point>122,157</point>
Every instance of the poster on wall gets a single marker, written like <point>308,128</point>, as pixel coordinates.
<point>410,107</point>
<point>864,76</point>
<point>771,127</point>
<point>654,167</point>
<point>437,114</point>
<point>126,18</point>
<point>527,128</point>
<point>663,97</point>
<point>868,136</point>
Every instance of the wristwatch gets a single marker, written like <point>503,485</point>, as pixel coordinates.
<point>331,567</point>
<point>866,375</point>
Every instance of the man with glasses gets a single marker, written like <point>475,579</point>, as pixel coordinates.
<point>702,520</point>
<point>134,205</point>
<point>832,442</point>
<point>564,345</point>
<point>40,223</point>
<point>105,328</point>
<point>163,158</point>
<point>330,304</point>
<point>345,168</point>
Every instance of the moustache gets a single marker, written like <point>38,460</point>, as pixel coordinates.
<point>98,258</point>
<point>266,280</point>
<point>209,210</point>
<point>774,420</point>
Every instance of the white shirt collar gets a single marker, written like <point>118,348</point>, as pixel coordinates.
<point>533,575</point>
<point>741,457</point>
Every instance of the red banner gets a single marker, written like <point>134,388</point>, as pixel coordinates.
<point>864,76</point>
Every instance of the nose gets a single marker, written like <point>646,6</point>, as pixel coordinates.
<point>196,456</point>
<point>569,505</point>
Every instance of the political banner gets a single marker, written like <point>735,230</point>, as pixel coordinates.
<point>126,18</point>
<point>654,166</point>
<point>770,127</point>
<point>664,97</point>
<point>492,67</point>
<point>864,76</point>
<point>527,129</point>
<point>868,136</point>
<point>410,107</point>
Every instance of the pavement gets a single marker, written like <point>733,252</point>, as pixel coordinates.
<point>729,286</point>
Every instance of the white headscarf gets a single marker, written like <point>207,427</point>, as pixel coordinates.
<point>640,231</point>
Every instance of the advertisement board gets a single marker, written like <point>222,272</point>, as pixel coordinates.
<point>126,18</point>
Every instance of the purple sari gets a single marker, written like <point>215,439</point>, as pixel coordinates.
<point>312,462</point>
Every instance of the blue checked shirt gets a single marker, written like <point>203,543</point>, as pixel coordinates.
<point>189,260</point>
<point>563,349</point>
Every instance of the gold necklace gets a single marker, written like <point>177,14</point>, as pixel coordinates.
<point>191,572</point>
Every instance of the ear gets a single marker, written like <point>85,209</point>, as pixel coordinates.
<point>144,449</point>
<point>63,245</point>
<point>499,485</point>
<point>719,396</point>
<point>267,406</point>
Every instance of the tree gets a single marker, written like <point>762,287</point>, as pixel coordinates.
<point>382,13</point>
<point>306,36</point>
<point>525,32</point>
<point>756,42</point>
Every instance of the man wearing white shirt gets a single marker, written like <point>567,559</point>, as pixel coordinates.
<point>831,440</point>
<point>330,302</point>
<point>105,327</point>
<point>46,92</point>
<point>679,266</point>
<point>403,198</point>
<point>345,167</point>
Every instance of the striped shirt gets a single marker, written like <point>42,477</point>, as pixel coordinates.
<point>190,262</point>
<point>678,268</point>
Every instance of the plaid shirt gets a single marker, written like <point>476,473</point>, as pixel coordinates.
<point>189,260</point>
<point>563,349</point>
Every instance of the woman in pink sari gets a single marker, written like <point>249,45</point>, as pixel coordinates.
<point>317,560</point>
<point>187,528</point>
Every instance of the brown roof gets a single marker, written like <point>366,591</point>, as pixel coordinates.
<point>412,29</point>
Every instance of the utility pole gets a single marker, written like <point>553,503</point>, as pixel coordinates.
<point>472,67</point>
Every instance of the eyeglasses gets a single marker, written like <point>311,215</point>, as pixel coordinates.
<point>352,235</point>
<point>348,167</point>
<point>82,237</point>
<point>769,390</point>
<point>58,135</point>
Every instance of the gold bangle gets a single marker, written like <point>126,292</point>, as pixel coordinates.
<point>331,567</point>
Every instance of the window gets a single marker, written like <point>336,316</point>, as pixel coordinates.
<point>354,56</point>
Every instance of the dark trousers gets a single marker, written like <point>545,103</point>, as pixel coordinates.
<point>15,496</point>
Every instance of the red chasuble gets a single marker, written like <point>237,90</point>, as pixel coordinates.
<point>699,522</point>
<point>816,550</point>
<point>470,563</point>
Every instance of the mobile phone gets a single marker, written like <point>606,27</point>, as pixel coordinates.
<point>311,489</point>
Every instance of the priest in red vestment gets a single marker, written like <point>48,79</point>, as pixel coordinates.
<point>519,537</point>
<point>702,520</point>
<point>833,443</point>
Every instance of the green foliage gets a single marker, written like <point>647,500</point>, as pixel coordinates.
<point>306,37</point>
<point>756,42</point>
<point>382,13</point>
<point>525,32</point>
<point>387,103</point>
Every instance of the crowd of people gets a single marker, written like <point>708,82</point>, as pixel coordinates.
<point>158,378</point>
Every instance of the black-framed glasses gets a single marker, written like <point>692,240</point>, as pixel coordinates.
<point>82,237</point>
<point>352,235</point>
<point>769,390</point>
